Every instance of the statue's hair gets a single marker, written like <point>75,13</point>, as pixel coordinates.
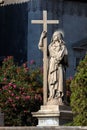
<point>62,32</point>
<point>58,32</point>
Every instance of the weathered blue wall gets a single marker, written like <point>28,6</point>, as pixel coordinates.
<point>18,37</point>
<point>13,31</point>
<point>73,20</point>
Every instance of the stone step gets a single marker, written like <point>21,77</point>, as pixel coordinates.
<point>45,128</point>
<point>1,119</point>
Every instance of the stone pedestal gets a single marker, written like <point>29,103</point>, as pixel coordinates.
<point>53,115</point>
<point>1,118</point>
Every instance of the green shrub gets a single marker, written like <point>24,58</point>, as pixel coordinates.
<point>20,92</point>
<point>79,94</point>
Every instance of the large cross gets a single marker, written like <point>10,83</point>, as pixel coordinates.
<point>45,61</point>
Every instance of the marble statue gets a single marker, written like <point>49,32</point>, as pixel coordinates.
<point>1,2</point>
<point>57,54</point>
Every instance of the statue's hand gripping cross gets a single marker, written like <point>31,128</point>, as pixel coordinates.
<point>45,22</point>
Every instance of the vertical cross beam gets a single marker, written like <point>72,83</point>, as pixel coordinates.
<point>45,60</point>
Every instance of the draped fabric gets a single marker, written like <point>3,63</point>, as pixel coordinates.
<point>56,68</point>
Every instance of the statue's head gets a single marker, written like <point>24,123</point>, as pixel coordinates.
<point>58,35</point>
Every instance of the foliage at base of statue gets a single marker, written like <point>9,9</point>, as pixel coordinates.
<point>79,94</point>
<point>20,92</point>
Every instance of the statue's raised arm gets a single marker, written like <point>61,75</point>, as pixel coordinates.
<point>41,43</point>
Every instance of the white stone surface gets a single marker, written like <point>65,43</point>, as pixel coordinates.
<point>8,2</point>
<point>53,115</point>
<point>48,122</point>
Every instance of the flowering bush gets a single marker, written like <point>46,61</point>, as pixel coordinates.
<point>20,92</point>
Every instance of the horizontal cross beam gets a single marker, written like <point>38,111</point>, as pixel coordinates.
<point>42,22</point>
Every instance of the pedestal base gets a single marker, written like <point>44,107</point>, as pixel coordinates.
<point>1,118</point>
<point>53,115</point>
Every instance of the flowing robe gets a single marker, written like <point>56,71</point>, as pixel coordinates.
<point>56,74</point>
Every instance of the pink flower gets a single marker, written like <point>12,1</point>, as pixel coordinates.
<point>22,88</point>
<point>23,93</point>
<point>23,97</point>
<point>36,96</point>
<point>26,69</point>
<point>6,102</point>
<point>13,105</point>
<point>39,97</point>
<point>27,97</point>
<point>17,97</point>
<point>14,86</point>
<point>24,65</point>
<point>25,111</point>
<point>9,57</point>
<point>10,84</point>
<point>9,91</point>
<point>41,69</point>
<point>70,78</point>
<point>68,93</point>
<point>12,94</point>
<point>5,79</point>
<point>5,59</point>
<point>9,99</point>
<point>5,87</point>
<point>32,62</point>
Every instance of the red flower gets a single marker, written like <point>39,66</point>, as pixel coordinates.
<point>68,93</point>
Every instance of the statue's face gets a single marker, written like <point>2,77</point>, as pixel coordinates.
<point>56,36</point>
